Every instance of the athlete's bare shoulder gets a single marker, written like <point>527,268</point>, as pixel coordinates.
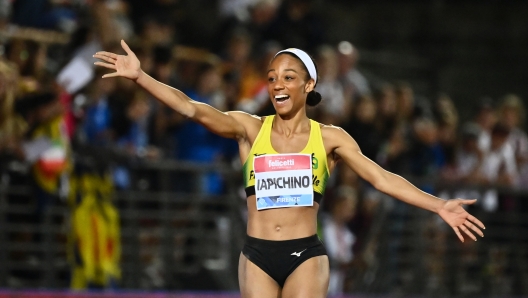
<point>335,136</point>
<point>330,127</point>
<point>251,123</point>
<point>241,115</point>
<point>331,131</point>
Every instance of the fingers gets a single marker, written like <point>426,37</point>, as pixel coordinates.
<point>468,224</point>
<point>475,220</point>
<point>468,202</point>
<point>467,232</point>
<point>458,234</point>
<point>111,75</point>
<point>105,58</point>
<point>126,48</point>
<point>105,54</point>
<point>107,65</point>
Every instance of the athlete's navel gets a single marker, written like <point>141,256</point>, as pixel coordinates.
<point>277,228</point>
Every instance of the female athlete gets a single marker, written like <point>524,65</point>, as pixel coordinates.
<point>287,160</point>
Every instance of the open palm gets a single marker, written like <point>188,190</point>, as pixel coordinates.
<point>125,66</point>
<point>460,220</point>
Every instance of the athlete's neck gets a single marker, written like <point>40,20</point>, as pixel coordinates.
<point>289,126</point>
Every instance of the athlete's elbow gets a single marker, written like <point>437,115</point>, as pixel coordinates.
<point>381,183</point>
<point>189,111</point>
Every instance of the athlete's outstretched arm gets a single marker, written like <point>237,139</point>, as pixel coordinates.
<point>226,124</point>
<point>451,210</point>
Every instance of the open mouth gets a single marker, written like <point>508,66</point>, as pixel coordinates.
<point>281,98</point>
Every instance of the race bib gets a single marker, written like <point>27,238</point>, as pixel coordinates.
<point>283,180</point>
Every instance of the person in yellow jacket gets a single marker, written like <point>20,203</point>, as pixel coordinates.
<point>95,246</point>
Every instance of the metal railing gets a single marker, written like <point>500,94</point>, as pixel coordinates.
<point>176,237</point>
<point>196,231</point>
<point>170,234</point>
<point>416,253</point>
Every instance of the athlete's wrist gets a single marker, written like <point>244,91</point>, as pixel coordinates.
<point>140,76</point>
<point>438,205</point>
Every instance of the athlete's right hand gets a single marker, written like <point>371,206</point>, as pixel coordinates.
<point>125,66</point>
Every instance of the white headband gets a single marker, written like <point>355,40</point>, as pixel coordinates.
<point>305,58</point>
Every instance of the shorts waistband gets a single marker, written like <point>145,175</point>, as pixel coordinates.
<point>306,241</point>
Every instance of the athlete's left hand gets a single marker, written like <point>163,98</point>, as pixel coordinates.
<point>458,218</point>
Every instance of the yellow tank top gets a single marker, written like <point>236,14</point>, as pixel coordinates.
<point>314,147</point>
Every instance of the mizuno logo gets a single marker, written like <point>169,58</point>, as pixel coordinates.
<point>298,254</point>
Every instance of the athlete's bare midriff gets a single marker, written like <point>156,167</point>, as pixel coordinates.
<point>281,223</point>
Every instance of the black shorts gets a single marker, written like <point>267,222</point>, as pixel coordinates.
<point>280,258</point>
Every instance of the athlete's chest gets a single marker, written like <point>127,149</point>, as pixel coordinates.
<point>289,144</point>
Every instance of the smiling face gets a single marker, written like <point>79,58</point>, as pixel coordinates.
<point>288,84</point>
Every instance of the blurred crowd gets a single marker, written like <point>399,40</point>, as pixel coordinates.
<point>53,101</point>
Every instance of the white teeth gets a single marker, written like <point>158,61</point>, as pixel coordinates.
<point>281,96</point>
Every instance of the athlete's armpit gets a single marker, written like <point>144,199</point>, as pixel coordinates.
<point>335,137</point>
<point>251,123</point>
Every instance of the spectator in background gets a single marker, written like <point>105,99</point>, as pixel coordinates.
<point>426,155</point>
<point>118,101</point>
<point>97,125</point>
<point>335,107</point>
<point>498,163</point>
<point>163,15</point>
<point>262,13</point>
<point>253,95</point>
<point>485,118</point>
<point>30,59</point>
<point>405,102</point>
<point>5,12</point>
<point>511,115</point>
<point>362,127</point>
<point>493,167</point>
<point>209,87</point>
<point>237,54</point>
<point>163,66</point>
<point>236,62</point>
<point>47,149</point>
<point>446,115</point>
<point>238,9</point>
<point>165,69</point>
<point>297,25</point>
<point>468,157</point>
<point>255,16</point>
<point>12,125</point>
<point>387,119</point>
<point>44,14</point>
<point>205,147</point>
<point>354,82</point>
<point>156,31</point>
<point>106,27</point>
<point>393,154</point>
<point>135,140</point>
<point>338,238</point>
<point>117,13</point>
